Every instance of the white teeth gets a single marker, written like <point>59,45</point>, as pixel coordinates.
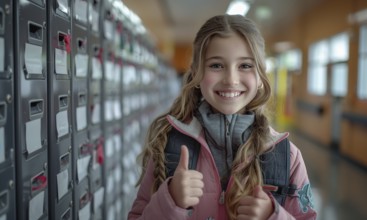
<point>229,94</point>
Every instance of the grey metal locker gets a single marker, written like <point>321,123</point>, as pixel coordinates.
<point>31,111</point>
<point>7,195</point>
<point>95,119</point>
<point>82,151</point>
<point>59,105</point>
<point>82,196</point>
<point>83,199</point>
<point>110,124</point>
<point>81,146</point>
<point>7,164</point>
<point>95,82</point>
<point>97,188</point>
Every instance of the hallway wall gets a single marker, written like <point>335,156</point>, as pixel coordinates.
<point>328,19</point>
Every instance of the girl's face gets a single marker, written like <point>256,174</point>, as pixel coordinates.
<point>230,79</point>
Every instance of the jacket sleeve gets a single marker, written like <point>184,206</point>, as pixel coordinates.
<point>158,205</point>
<point>300,205</point>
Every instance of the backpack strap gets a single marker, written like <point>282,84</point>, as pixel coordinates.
<point>275,166</point>
<point>173,150</point>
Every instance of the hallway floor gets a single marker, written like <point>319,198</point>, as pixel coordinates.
<point>339,186</point>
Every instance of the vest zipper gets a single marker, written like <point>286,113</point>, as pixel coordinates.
<point>222,197</point>
<point>227,127</point>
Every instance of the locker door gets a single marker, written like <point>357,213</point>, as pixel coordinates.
<point>110,126</point>
<point>97,184</point>
<point>81,145</point>
<point>7,169</point>
<point>31,117</point>
<point>59,105</point>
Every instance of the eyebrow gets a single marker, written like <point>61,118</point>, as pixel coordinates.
<point>221,58</point>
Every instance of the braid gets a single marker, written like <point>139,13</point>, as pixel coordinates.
<point>159,168</point>
<point>246,170</point>
<point>155,143</point>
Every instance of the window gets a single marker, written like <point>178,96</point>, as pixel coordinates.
<point>333,51</point>
<point>339,53</point>
<point>362,66</point>
<point>339,79</point>
<point>339,47</point>
<point>318,58</point>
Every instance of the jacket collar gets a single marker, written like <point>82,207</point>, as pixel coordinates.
<point>194,129</point>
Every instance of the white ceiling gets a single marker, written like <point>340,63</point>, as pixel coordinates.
<point>177,21</point>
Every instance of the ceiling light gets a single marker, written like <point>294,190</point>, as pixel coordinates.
<point>263,13</point>
<point>238,7</point>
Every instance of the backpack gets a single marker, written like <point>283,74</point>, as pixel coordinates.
<point>275,165</point>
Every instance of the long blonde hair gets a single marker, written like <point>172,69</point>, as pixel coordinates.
<point>246,169</point>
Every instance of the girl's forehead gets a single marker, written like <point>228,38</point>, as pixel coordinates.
<point>232,44</point>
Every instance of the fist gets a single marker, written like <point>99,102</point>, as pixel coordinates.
<point>256,206</point>
<point>186,186</point>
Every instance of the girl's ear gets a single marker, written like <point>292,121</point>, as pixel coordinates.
<point>259,81</point>
<point>260,84</point>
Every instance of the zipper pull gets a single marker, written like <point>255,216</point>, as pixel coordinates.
<point>221,198</point>
<point>227,127</point>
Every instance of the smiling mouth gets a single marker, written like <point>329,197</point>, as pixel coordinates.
<point>229,94</point>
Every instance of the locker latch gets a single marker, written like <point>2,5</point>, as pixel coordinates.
<point>39,182</point>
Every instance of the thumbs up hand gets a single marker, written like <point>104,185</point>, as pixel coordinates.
<point>186,186</point>
<point>256,206</point>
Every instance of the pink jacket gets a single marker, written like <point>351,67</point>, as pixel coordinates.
<point>160,204</point>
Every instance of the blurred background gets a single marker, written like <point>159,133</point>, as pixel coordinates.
<point>317,61</point>
<point>81,80</point>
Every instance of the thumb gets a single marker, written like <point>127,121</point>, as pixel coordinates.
<point>183,164</point>
<point>258,192</point>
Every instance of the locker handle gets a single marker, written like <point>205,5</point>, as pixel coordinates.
<point>36,107</point>
<point>4,200</point>
<point>82,99</point>
<point>109,15</point>
<point>64,160</point>
<point>98,52</point>
<point>64,41</point>
<point>39,182</point>
<point>86,149</point>
<point>82,45</point>
<point>95,101</point>
<point>84,199</point>
<point>63,102</point>
<point>35,31</point>
<point>2,112</point>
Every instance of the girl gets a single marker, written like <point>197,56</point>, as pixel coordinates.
<point>221,106</point>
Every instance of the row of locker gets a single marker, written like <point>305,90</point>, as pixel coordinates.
<point>78,87</point>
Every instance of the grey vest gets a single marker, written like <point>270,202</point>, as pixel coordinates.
<point>275,165</point>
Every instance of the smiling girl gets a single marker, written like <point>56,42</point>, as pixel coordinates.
<point>220,113</point>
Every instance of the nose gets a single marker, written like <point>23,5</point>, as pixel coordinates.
<point>231,77</point>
